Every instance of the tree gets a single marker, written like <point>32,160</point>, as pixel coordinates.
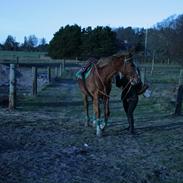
<point>32,42</point>
<point>25,45</point>
<point>43,46</point>
<point>66,42</point>
<point>71,42</point>
<point>129,37</point>
<point>10,43</point>
<point>98,42</point>
<point>1,47</point>
<point>43,42</point>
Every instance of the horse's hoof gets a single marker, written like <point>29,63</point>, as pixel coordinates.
<point>98,131</point>
<point>102,126</point>
<point>94,123</point>
<point>86,124</point>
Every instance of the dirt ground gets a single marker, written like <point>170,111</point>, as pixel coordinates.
<point>45,141</point>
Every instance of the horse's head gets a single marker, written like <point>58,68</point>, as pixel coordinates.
<point>127,68</point>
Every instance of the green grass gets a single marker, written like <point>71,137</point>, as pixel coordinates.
<point>9,54</point>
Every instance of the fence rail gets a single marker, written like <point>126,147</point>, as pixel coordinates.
<point>33,63</point>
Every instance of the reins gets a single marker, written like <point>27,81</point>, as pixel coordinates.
<point>104,93</point>
<point>128,89</point>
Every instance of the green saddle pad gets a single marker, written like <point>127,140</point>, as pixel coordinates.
<point>86,73</point>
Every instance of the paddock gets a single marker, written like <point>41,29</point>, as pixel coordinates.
<point>44,139</point>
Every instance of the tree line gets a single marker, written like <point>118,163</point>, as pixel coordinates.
<point>164,41</point>
<point>31,43</point>
<point>72,41</point>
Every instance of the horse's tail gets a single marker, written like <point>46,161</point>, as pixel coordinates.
<point>83,86</point>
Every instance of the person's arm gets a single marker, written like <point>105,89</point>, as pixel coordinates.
<point>142,89</point>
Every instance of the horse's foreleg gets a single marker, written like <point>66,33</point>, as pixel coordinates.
<point>97,114</point>
<point>86,105</point>
<point>106,111</point>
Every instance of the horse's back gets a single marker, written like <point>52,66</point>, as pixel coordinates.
<point>104,61</point>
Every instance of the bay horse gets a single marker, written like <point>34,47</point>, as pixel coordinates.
<point>99,83</point>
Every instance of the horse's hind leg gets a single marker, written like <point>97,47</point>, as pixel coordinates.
<point>86,106</point>
<point>97,114</point>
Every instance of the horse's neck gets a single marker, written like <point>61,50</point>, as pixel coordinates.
<point>108,72</point>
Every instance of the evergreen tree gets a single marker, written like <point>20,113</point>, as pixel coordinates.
<point>10,43</point>
<point>66,42</point>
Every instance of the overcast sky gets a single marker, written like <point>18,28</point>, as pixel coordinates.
<point>43,18</point>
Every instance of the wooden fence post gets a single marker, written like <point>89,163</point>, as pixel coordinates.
<point>12,87</point>
<point>49,74</point>
<point>34,81</point>
<point>179,94</point>
<point>181,77</point>
<point>60,70</point>
<point>63,65</point>
<point>56,72</point>
<point>152,66</point>
<point>179,101</point>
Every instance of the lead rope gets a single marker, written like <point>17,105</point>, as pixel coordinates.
<point>128,89</point>
<point>127,92</point>
<point>104,93</point>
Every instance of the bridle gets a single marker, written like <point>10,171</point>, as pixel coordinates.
<point>125,62</point>
<point>129,82</point>
<point>104,92</point>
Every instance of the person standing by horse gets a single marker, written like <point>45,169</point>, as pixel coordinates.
<point>129,97</point>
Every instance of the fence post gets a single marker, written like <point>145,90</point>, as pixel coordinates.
<point>179,94</point>
<point>181,77</point>
<point>12,87</point>
<point>152,66</point>
<point>34,81</point>
<point>179,101</point>
<point>49,74</point>
<point>60,70</point>
<point>56,72</point>
<point>63,65</point>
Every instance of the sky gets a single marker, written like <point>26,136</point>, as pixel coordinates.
<point>43,18</point>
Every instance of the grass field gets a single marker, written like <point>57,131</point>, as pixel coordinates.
<point>11,54</point>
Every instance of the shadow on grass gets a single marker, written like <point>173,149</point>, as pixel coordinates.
<point>122,128</point>
<point>52,104</point>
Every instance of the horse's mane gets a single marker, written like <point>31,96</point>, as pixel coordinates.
<point>104,61</point>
